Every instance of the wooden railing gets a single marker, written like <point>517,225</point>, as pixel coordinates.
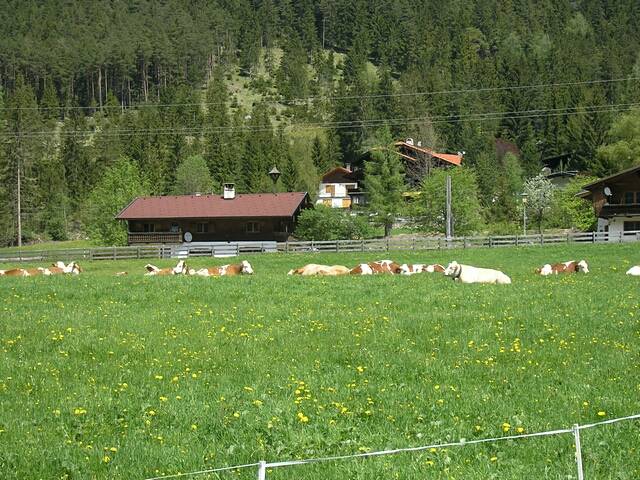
<point>375,245</point>
<point>154,237</point>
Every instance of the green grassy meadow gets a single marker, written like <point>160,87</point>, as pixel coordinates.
<point>133,377</point>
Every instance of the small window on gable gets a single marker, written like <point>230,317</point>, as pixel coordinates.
<point>202,227</point>
<point>175,228</point>
<point>149,227</point>
<point>253,227</point>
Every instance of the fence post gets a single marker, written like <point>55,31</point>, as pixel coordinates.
<point>490,242</point>
<point>387,244</point>
<point>464,242</point>
<point>517,240</point>
<point>362,245</point>
<point>593,237</point>
<point>576,435</point>
<point>91,254</point>
<point>337,245</point>
<point>114,252</point>
<point>286,246</point>
<point>262,470</point>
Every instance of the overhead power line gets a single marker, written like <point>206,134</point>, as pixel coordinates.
<point>301,100</point>
<point>340,125</point>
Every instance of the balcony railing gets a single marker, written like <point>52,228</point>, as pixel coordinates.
<point>611,209</point>
<point>154,237</point>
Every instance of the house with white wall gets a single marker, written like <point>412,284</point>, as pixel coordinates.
<point>616,200</point>
<point>340,188</point>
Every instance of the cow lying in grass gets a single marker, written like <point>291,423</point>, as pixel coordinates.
<point>411,269</point>
<point>243,268</point>
<point>374,268</point>
<point>469,274</point>
<point>179,269</point>
<point>634,271</point>
<point>565,267</point>
<point>57,268</point>
<point>315,269</point>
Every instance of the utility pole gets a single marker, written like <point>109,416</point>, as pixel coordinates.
<point>19,209</point>
<point>449,231</point>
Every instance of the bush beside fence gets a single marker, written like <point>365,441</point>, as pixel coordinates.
<point>374,245</point>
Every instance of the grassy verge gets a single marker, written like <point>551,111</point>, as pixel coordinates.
<point>132,377</point>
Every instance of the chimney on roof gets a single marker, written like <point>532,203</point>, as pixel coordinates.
<point>228,191</point>
<point>347,166</point>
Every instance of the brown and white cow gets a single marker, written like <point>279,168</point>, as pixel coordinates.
<point>565,267</point>
<point>179,269</point>
<point>315,269</point>
<point>58,268</point>
<point>411,269</point>
<point>242,268</point>
<point>374,268</point>
<point>24,272</point>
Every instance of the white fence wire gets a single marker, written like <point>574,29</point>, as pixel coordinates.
<point>263,466</point>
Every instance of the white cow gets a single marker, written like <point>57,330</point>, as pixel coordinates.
<point>635,271</point>
<point>469,274</point>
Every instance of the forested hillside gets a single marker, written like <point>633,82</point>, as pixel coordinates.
<point>246,84</point>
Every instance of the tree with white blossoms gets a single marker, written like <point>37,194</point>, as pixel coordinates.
<point>539,194</point>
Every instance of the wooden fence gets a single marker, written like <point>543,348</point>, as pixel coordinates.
<point>375,245</point>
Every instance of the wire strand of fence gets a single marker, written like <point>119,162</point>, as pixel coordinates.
<point>607,422</point>
<point>460,443</point>
<point>202,472</point>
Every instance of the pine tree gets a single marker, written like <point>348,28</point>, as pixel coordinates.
<point>23,148</point>
<point>384,183</point>
<point>217,124</point>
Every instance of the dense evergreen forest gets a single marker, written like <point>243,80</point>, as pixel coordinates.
<point>304,85</point>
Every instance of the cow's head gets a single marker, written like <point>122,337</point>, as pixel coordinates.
<point>404,269</point>
<point>453,269</point>
<point>72,268</point>
<point>545,270</point>
<point>180,268</point>
<point>246,268</point>
<point>60,264</point>
<point>582,266</point>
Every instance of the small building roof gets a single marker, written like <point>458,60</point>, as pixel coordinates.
<point>454,159</point>
<point>214,206</point>
<point>341,175</point>
<point>612,177</point>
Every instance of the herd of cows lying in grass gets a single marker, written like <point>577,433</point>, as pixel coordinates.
<point>458,272</point>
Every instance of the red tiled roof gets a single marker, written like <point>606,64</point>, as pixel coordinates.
<point>214,206</point>
<point>447,157</point>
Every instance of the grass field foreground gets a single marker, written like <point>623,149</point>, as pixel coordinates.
<point>134,376</point>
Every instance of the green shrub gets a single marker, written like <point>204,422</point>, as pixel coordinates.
<point>325,223</point>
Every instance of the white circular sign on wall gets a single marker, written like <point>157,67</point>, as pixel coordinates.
<point>188,237</point>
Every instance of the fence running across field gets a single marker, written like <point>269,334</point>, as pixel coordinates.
<point>226,249</point>
<point>262,466</point>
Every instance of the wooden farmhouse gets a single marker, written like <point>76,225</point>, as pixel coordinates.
<point>205,218</point>
<point>341,188</point>
<point>420,161</point>
<point>616,200</point>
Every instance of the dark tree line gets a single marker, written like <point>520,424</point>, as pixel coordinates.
<point>83,84</point>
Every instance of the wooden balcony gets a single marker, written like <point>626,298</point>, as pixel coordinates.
<point>136,238</point>
<point>619,209</point>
